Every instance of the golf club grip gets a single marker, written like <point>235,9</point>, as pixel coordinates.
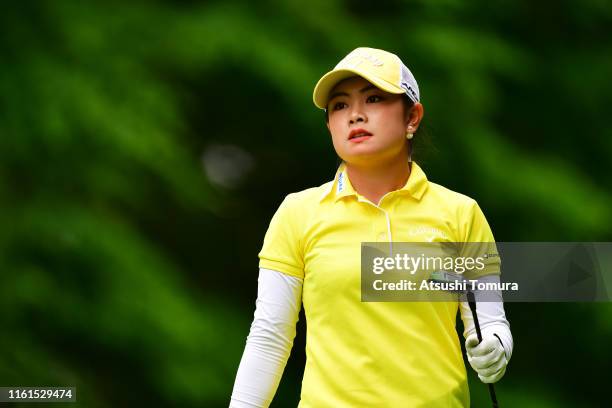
<point>472,303</point>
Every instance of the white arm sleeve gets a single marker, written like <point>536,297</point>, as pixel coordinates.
<point>491,317</point>
<point>270,340</point>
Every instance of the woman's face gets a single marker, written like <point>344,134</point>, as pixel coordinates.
<point>368,125</point>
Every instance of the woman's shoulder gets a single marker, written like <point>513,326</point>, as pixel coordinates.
<point>301,206</point>
<point>450,197</point>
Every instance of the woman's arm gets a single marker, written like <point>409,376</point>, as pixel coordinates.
<point>270,340</point>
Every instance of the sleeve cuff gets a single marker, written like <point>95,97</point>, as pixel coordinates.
<point>282,267</point>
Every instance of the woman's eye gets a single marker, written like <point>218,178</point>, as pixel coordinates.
<point>339,105</point>
<point>374,98</point>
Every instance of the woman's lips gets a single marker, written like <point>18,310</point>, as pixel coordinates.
<point>359,139</point>
<point>359,135</point>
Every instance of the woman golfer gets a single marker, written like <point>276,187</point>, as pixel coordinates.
<point>367,354</point>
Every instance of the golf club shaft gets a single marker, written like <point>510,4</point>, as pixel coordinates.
<point>472,303</point>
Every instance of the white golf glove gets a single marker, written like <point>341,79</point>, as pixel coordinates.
<point>488,358</point>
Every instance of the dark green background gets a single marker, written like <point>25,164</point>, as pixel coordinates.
<point>145,145</point>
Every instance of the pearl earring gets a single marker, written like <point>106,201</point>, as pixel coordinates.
<point>409,135</point>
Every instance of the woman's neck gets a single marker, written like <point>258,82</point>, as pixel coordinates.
<point>374,182</point>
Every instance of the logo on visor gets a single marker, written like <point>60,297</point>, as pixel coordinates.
<point>357,60</point>
<point>408,88</point>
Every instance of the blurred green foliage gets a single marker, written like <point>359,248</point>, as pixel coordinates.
<point>145,145</point>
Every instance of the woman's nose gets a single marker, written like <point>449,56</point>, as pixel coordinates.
<point>357,115</point>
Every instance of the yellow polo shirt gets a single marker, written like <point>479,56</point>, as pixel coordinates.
<point>360,354</point>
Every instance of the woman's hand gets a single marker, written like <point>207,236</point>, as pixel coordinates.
<point>487,358</point>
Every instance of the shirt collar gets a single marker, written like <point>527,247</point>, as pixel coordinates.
<point>341,187</point>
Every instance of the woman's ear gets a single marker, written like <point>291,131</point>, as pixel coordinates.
<point>414,118</point>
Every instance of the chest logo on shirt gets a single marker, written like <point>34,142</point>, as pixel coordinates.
<point>428,234</point>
